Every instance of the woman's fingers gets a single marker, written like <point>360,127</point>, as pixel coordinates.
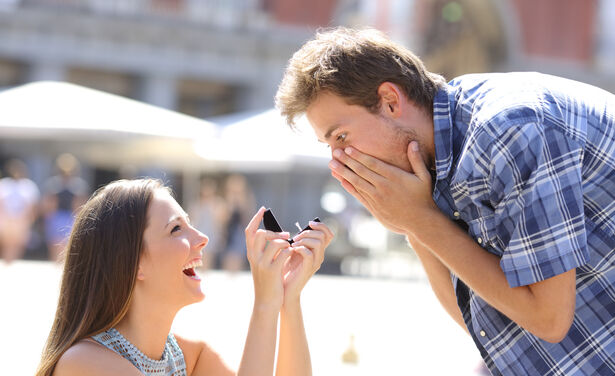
<point>252,227</point>
<point>306,261</point>
<point>281,258</point>
<point>272,249</point>
<point>261,237</point>
<point>256,238</point>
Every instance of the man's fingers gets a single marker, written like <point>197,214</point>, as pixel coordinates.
<point>364,165</point>
<point>345,184</point>
<point>417,162</point>
<point>374,165</point>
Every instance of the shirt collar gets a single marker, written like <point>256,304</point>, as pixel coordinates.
<point>443,108</point>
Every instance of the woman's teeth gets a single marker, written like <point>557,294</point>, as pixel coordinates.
<point>193,264</point>
<point>189,268</point>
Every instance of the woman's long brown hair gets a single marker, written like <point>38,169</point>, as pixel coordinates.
<point>100,265</point>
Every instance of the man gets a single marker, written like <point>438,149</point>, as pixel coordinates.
<point>504,185</point>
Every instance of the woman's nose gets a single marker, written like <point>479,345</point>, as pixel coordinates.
<point>201,240</point>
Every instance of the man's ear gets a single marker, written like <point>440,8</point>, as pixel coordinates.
<point>390,99</point>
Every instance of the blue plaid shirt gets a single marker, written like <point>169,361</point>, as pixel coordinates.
<point>526,162</point>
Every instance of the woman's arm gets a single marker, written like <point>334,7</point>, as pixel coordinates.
<point>267,254</point>
<point>201,359</point>
<point>308,254</point>
<point>279,273</point>
<point>293,352</point>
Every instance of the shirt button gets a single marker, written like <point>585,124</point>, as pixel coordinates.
<point>479,240</point>
<point>482,333</point>
<point>456,214</point>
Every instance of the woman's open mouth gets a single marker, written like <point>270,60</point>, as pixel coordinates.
<point>189,269</point>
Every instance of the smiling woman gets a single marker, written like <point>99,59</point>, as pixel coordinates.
<point>130,267</point>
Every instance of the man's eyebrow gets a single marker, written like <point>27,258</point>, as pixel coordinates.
<point>331,130</point>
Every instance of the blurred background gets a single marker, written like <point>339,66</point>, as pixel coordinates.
<point>96,90</point>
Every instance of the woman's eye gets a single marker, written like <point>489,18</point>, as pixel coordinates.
<point>175,228</point>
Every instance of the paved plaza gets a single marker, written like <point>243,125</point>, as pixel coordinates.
<point>398,326</point>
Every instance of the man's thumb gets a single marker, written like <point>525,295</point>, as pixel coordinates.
<point>416,161</point>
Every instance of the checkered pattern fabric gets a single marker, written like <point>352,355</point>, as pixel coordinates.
<point>527,162</point>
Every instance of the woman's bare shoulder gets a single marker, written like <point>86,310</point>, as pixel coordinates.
<point>87,357</point>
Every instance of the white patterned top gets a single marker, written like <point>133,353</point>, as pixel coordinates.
<point>171,363</point>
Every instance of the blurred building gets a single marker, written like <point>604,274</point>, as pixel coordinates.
<point>201,57</point>
<point>569,38</point>
<point>212,57</point>
<point>208,58</point>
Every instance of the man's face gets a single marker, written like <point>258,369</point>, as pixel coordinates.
<point>340,125</point>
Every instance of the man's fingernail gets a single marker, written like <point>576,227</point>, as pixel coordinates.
<point>334,164</point>
<point>337,153</point>
<point>414,145</point>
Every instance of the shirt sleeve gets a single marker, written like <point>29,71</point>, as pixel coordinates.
<point>536,180</point>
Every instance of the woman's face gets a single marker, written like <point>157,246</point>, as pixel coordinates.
<point>172,251</point>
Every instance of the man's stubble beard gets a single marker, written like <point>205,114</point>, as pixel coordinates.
<point>403,137</point>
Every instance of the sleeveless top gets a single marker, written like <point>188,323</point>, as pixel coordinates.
<point>171,364</point>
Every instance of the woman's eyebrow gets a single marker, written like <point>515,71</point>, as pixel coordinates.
<point>174,219</point>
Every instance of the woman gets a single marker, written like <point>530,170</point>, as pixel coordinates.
<point>130,266</point>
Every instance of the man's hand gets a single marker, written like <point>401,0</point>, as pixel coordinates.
<point>397,198</point>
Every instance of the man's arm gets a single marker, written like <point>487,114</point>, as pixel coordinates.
<point>440,280</point>
<point>546,308</point>
<point>402,201</point>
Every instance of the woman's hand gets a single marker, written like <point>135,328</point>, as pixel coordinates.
<point>268,252</point>
<point>308,253</point>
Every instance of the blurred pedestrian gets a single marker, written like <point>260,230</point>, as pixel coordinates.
<point>19,197</point>
<point>63,194</point>
<point>239,201</point>
<point>131,267</point>
<point>504,184</point>
<point>207,215</point>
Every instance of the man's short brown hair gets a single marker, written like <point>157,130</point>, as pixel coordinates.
<point>352,64</point>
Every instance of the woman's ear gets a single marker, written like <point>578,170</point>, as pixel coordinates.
<point>390,99</point>
<point>140,274</point>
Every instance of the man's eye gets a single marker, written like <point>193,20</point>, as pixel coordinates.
<point>175,228</point>
<point>341,137</point>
